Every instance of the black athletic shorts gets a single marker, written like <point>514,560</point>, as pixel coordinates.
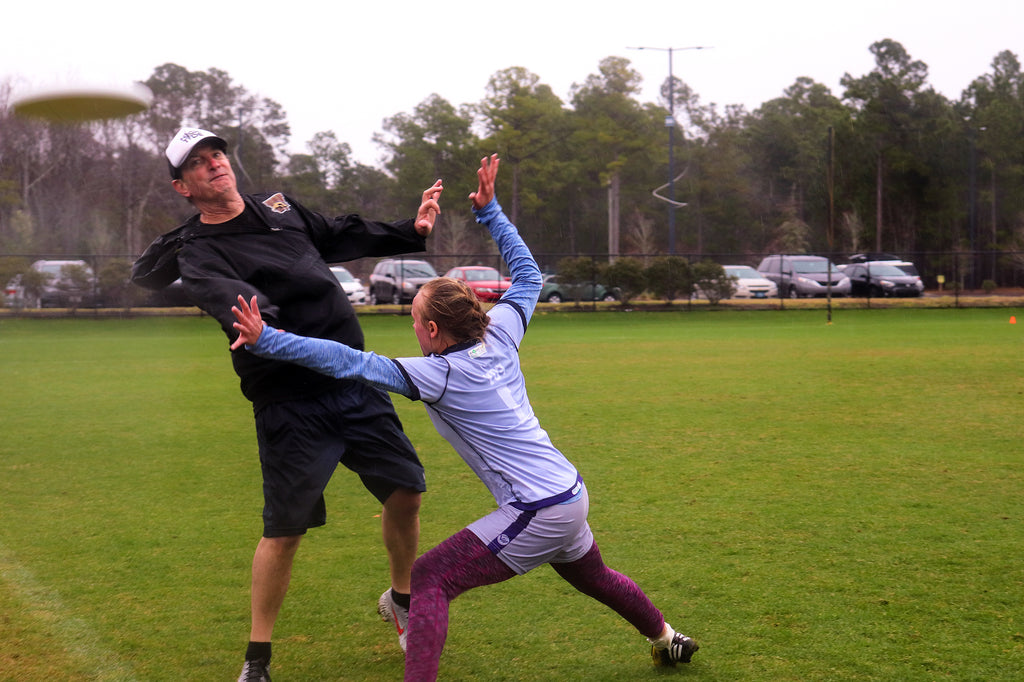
<point>301,443</point>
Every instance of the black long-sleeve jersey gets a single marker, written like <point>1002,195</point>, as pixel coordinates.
<point>278,251</point>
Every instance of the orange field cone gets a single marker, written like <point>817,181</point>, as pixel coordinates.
<point>1013,319</point>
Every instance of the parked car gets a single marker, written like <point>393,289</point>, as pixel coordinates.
<point>882,278</point>
<point>13,293</point>
<point>66,283</point>
<point>798,276</point>
<point>750,283</point>
<point>486,283</point>
<point>396,280</point>
<point>555,291</point>
<point>353,288</point>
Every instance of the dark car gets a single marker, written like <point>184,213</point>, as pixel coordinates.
<point>396,280</point>
<point>555,291</point>
<point>880,279</point>
<point>486,283</point>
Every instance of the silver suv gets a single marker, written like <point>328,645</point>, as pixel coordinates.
<point>53,284</point>
<point>396,280</point>
<point>800,276</point>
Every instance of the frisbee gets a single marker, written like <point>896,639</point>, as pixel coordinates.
<point>77,104</point>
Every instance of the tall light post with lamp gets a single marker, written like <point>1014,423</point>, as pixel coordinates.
<point>670,123</point>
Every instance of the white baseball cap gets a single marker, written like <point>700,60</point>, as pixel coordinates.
<point>184,141</point>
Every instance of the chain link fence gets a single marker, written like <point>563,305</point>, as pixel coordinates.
<point>73,282</point>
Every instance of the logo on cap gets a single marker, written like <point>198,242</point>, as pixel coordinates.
<point>187,135</point>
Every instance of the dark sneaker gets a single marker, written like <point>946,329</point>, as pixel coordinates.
<point>681,650</point>
<point>394,614</point>
<point>254,671</point>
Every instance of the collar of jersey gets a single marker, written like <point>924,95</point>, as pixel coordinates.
<point>462,345</point>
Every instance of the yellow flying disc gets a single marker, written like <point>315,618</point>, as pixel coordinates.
<point>72,105</point>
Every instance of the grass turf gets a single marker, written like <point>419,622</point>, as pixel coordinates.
<point>808,501</point>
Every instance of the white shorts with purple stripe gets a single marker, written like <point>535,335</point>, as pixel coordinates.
<point>524,540</point>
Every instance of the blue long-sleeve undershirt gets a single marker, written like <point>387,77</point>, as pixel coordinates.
<point>333,359</point>
<point>527,280</point>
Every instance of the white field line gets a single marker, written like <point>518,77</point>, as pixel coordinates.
<point>45,606</point>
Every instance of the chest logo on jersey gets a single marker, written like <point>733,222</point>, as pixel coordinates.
<point>277,203</point>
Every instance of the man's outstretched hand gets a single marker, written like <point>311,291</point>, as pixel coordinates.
<point>429,209</point>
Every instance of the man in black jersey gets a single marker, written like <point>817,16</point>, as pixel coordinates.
<point>272,247</point>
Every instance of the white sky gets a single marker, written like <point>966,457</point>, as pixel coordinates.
<point>346,69</point>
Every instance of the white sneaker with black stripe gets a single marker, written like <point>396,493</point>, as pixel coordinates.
<point>681,650</point>
<point>394,614</point>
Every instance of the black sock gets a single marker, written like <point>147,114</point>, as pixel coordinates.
<point>258,651</point>
<point>400,599</point>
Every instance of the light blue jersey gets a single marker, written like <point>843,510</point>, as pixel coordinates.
<point>475,393</point>
<point>476,397</point>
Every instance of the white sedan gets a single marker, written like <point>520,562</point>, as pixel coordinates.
<point>750,283</point>
<point>354,289</point>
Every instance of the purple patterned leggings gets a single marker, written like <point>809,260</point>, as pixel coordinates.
<point>462,562</point>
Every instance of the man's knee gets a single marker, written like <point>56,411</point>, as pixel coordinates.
<point>280,546</point>
<point>403,502</point>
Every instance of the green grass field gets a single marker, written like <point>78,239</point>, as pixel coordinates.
<point>809,501</point>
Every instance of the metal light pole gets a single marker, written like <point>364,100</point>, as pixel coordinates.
<point>670,123</point>
<point>972,203</point>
